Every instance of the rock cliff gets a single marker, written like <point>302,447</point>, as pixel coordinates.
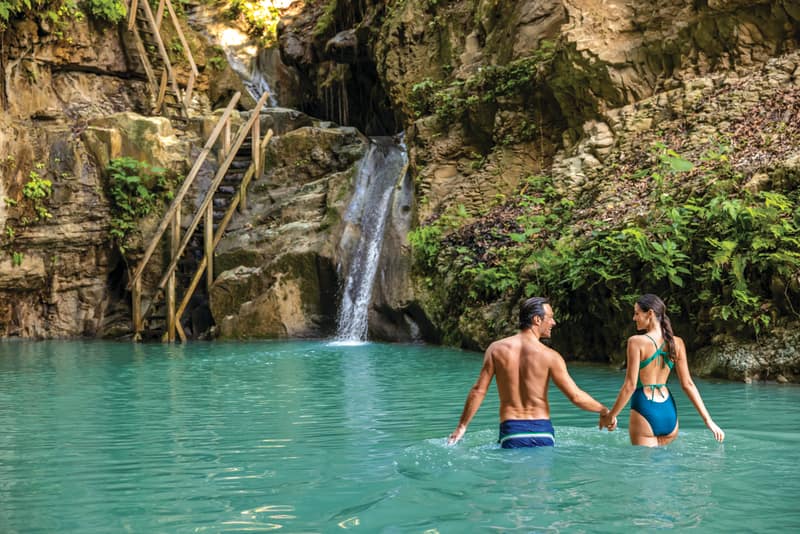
<point>541,135</point>
<point>588,94</point>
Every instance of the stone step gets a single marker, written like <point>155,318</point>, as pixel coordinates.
<point>240,163</point>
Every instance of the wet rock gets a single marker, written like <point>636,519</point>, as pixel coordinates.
<point>773,355</point>
<point>343,47</point>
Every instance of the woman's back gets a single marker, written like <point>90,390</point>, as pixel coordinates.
<point>655,364</point>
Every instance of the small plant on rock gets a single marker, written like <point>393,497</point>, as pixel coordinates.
<point>136,189</point>
<point>37,189</point>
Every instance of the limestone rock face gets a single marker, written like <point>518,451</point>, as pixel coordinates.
<point>343,47</point>
<point>775,358</point>
<point>57,264</point>
<point>277,274</point>
<point>84,72</point>
<point>60,268</point>
<point>57,258</point>
<point>617,72</point>
<point>609,55</point>
<point>148,139</point>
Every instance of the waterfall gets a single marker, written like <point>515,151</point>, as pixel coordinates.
<point>241,50</point>
<point>380,170</point>
<point>254,80</point>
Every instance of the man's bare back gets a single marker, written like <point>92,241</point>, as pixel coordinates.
<point>523,366</point>
<point>522,369</point>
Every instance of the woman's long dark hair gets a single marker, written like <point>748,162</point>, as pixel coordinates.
<point>653,302</point>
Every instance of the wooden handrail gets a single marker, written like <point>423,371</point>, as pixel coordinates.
<point>161,48</point>
<point>132,14</point>
<point>160,13</point>
<point>205,209</point>
<point>187,52</point>
<point>176,202</point>
<point>155,25</point>
<point>223,225</point>
<point>223,169</point>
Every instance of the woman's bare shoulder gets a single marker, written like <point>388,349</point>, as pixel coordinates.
<point>637,339</point>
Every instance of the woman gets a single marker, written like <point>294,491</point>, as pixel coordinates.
<point>651,357</point>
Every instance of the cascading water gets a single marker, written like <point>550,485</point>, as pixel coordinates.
<point>241,51</point>
<point>252,76</point>
<point>382,167</point>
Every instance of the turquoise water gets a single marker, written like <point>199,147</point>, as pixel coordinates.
<point>310,437</point>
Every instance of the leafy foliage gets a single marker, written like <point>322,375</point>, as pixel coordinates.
<point>37,189</point>
<point>112,11</point>
<point>261,17</point>
<point>449,101</point>
<point>135,189</point>
<point>726,252</point>
<point>59,12</point>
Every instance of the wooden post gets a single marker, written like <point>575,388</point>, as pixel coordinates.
<point>255,144</point>
<point>226,138</point>
<point>209,246</point>
<point>181,333</point>
<point>136,294</point>
<point>159,14</point>
<point>162,90</point>
<point>174,239</point>
<point>132,14</point>
<point>187,93</point>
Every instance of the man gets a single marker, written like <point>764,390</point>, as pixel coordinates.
<point>524,366</point>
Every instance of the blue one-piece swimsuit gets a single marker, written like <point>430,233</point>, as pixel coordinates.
<point>662,416</point>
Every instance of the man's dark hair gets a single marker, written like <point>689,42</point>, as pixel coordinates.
<point>533,307</point>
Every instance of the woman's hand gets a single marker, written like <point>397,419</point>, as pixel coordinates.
<point>719,435</point>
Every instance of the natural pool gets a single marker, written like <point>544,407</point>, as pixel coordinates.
<point>313,437</point>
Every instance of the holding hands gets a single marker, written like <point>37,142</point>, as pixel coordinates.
<point>607,421</point>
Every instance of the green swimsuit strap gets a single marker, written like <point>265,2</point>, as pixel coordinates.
<point>656,387</point>
<point>644,363</point>
<point>659,352</point>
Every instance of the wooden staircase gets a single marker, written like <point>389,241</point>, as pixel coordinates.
<point>157,310</point>
<point>171,97</point>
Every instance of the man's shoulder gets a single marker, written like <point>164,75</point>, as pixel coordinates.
<point>503,345</point>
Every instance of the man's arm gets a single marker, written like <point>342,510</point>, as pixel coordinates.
<point>570,389</point>
<point>475,396</point>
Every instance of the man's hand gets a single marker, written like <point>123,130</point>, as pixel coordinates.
<point>607,420</point>
<point>457,434</point>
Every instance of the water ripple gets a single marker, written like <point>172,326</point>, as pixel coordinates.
<point>315,437</point>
